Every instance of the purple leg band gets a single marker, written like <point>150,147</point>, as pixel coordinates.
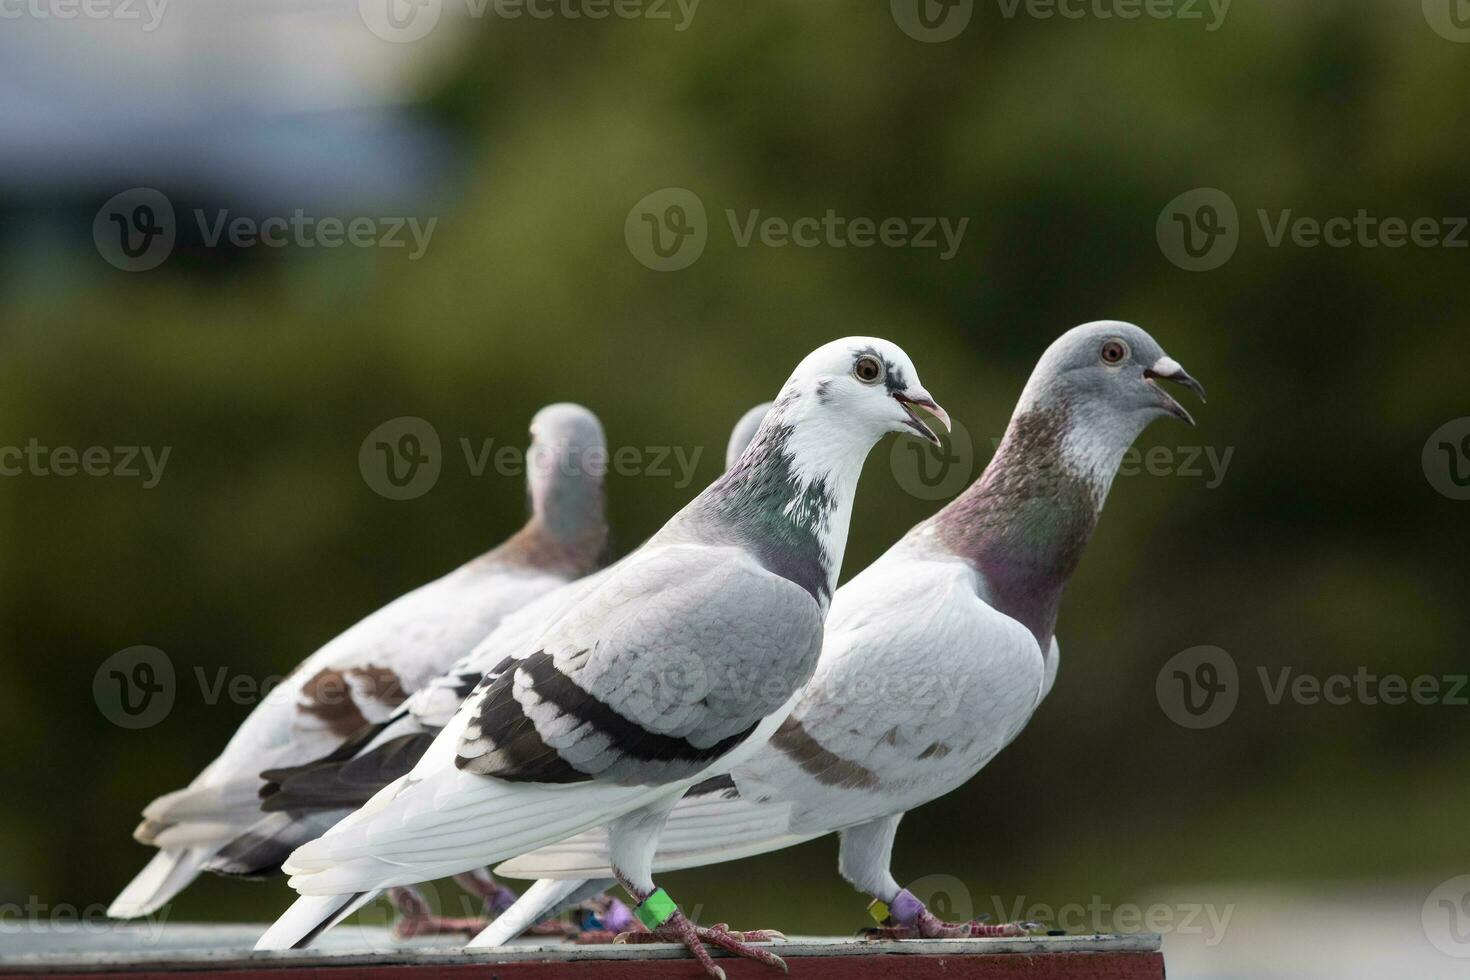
<point>618,917</point>
<point>905,908</point>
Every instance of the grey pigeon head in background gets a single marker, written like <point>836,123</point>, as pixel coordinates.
<point>744,432</point>
<point>565,466</point>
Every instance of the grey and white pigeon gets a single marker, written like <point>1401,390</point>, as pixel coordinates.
<point>304,801</point>
<point>681,662</point>
<point>364,674</point>
<point>935,657</point>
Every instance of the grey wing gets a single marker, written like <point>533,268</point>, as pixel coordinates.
<point>652,677</point>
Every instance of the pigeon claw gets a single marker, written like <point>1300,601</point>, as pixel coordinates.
<point>695,938</point>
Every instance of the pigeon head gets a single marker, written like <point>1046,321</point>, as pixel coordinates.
<point>1110,371</point>
<point>744,431</point>
<point>861,387</point>
<point>789,496</point>
<point>1025,523</point>
<point>565,468</point>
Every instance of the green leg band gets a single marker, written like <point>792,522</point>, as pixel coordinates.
<point>656,909</point>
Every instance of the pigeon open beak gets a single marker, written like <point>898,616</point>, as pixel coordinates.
<point>921,398</point>
<point>1170,370</point>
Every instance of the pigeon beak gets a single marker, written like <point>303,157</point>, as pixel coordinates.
<point>1170,370</point>
<point>921,398</point>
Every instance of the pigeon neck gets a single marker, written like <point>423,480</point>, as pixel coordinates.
<point>1026,521</point>
<point>567,531</point>
<point>789,498</point>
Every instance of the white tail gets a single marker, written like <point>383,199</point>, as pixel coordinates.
<point>161,879</point>
<point>310,916</point>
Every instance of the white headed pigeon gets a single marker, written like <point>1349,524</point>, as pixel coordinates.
<point>678,664</point>
<point>364,674</point>
<point>304,801</point>
<point>935,656</point>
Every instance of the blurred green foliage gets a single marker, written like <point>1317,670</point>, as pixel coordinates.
<point>1323,549</point>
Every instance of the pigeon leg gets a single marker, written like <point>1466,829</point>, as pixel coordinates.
<point>678,929</point>
<point>497,897</point>
<point>633,838</point>
<point>864,858</point>
<point>905,917</point>
<point>416,918</point>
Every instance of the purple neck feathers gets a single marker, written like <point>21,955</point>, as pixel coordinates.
<point>1026,521</point>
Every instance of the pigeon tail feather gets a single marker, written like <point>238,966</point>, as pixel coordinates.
<point>260,851</point>
<point>169,873</point>
<point>309,917</point>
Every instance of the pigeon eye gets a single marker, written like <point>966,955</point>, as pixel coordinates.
<point>868,369</point>
<point>1113,351</point>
